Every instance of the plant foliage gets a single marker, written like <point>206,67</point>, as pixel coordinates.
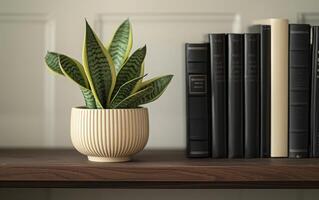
<point>110,77</point>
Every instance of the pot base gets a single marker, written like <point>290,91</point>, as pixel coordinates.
<point>110,159</point>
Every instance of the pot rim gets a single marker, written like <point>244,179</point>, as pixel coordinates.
<point>107,109</point>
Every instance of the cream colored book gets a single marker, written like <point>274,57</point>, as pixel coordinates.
<point>279,86</point>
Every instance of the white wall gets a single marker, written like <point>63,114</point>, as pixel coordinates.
<point>35,106</point>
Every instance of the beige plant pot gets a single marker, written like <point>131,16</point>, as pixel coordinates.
<point>109,135</point>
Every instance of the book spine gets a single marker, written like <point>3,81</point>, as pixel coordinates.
<point>252,96</point>
<point>279,88</point>
<point>235,95</point>
<point>299,90</point>
<point>315,94</point>
<point>265,90</point>
<point>218,59</point>
<point>198,100</point>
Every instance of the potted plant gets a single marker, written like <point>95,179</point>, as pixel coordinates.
<point>112,126</point>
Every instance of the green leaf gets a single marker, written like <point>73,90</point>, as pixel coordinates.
<point>121,44</point>
<point>88,98</point>
<point>125,90</point>
<point>98,67</point>
<point>52,61</point>
<point>132,100</point>
<point>131,69</point>
<point>73,70</point>
<point>138,84</point>
<point>159,84</point>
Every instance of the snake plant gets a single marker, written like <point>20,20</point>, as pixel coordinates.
<point>109,77</point>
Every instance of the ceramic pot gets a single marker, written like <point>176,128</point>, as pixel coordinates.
<point>109,135</point>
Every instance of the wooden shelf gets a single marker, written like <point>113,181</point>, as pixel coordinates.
<point>152,169</point>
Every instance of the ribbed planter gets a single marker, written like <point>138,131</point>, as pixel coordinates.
<point>109,135</point>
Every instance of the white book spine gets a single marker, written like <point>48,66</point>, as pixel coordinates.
<point>279,86</point>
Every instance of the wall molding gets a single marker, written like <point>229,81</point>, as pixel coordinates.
<point>48,80</point>
<point>169,17</point>
<point>24,17</point>
<point>308,17</point>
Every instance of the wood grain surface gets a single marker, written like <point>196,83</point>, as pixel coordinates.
<point>45,168</point>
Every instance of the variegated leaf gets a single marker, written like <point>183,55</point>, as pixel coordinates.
<point>121,44</point>
<point>74,71</point>
<point>98,67</point>
<point>138,84</point>
<point>132,100</point>
<point>125,90</point>
<point>159,84</point>
<point>88,98</point>
<point>131,69</point>
<point>52,61</point>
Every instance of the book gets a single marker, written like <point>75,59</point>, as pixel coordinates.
<point>265,64</point>
<point>299,90</point>
<point>218,62</point>
<point>198,100</point>
<point>235,95</point>
<point>279,87</point>
<point>314,100</point>
<point>252,95</point>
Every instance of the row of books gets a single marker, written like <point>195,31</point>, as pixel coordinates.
<point>254,94</point>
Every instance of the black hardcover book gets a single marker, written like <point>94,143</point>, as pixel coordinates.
<point>252,96</point>
<point>314,110</point>
<point>218,62</point>
<point>265,64</point>
<point>235,95</point>
<point>198,100</point>
<point>299,90</point>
